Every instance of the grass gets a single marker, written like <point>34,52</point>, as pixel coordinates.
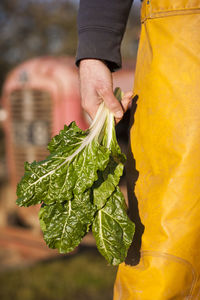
<point>83,276</point>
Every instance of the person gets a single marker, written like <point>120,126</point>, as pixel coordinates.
<point>165,136</point>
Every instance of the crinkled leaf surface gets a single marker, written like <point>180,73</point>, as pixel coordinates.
<point>68,139</point>
<point>77,185</point>
<point>106,183</point>
<point>113,230</point>
<point>64,225</point>
<point>64,173</point>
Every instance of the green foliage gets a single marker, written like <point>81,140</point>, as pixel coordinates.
<point>112,229</point>
<point>77,186</point>
<point>81,276</point>
<point>64,225</point>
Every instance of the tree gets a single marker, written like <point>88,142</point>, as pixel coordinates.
<point>35,28</point>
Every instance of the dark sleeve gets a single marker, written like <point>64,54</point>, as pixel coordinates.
<point>101,26</point>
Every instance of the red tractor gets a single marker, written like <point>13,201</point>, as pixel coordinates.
<point>39,96</point>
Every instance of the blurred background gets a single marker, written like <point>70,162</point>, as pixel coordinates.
<point>39,94</point>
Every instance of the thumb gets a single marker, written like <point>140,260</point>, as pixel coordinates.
<point>111,102</point>
<point>126,100</point>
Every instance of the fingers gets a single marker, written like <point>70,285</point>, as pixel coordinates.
<point>106,94</point>
<point>90,101</point>
<point>96,86</point>
<point>125,102</point>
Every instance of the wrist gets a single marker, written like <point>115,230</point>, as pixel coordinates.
<point>110,65</point>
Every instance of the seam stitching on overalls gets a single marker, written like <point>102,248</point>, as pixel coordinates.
<point>160,14</point>
<point>178,259</point>
<point>163,10</point>
<point>150,12</point>
<point>176,12</point>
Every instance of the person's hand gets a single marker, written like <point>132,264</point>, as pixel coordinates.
<point>96,86</point>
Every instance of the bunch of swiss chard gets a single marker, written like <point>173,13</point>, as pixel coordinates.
<point>77,187</point>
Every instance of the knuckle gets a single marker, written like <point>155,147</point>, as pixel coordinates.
<point>103,91</point>
<point>114,106</point>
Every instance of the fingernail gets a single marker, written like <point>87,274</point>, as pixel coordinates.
<point>118,114</point>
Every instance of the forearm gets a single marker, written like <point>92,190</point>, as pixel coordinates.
<point>101,26</point>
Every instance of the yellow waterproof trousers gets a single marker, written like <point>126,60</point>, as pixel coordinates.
<point>165,142</point>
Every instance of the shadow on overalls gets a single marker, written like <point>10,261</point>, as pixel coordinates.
<point>132,174</point>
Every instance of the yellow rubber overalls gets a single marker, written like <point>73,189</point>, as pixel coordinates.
<point>165,142</point>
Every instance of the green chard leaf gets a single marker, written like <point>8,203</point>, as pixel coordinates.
<point>77,185</point>
<point>106,183</point>
<point>64,173</point>
<point>113,230</point>
<point>64,225</point>
<point>110,177</point>
<point>68,139</point>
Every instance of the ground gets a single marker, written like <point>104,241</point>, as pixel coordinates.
<point>84,275</point>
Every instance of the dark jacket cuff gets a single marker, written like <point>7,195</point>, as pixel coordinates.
<point>100,43</point>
